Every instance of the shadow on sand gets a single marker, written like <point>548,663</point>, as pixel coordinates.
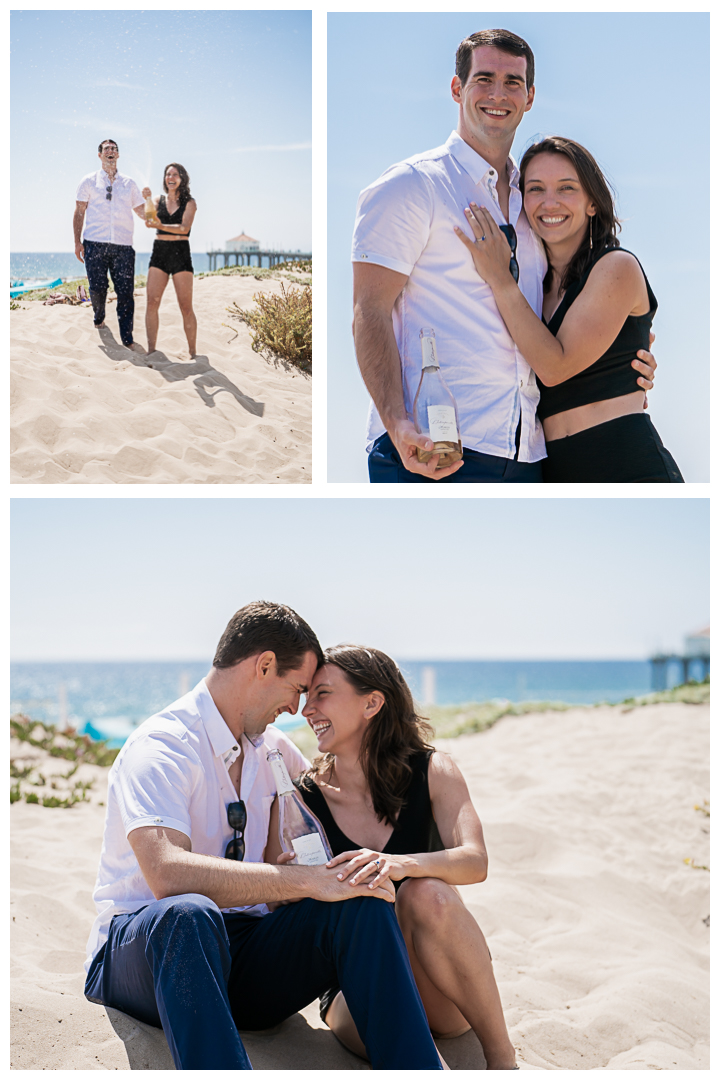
<point>207,381</point>
<point>294,1045</point>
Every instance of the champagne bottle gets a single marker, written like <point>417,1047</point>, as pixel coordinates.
<point>150,212</point>
<point>300,831</point>
<point>434,408</point>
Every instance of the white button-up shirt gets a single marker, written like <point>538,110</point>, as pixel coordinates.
<point>405,222</point>
<point>109,221</point>
<point>173,772</point>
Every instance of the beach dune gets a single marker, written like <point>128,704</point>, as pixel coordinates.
<point>597,924</point>
<point>86,410</point>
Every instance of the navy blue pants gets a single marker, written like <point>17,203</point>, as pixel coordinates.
<point>386,467</point>
<point>183,965</point>
<point>119,261</point>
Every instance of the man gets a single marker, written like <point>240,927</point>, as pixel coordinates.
<point>185,942</point>
<point>109,199</point>
<point>411,271</point>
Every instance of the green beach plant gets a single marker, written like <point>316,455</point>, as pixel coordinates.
<point>66,743</point>
<point>281,324</point>
<point>263,273</point>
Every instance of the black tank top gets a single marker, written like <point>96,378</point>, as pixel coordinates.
<point>170,219</point>
<point>415,829</point>
<point>610,376</point>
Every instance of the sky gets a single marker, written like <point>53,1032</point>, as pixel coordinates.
<point>158,579</point>
<point>633,88</point>
<point>225,93</point>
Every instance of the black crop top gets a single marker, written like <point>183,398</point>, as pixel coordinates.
<point>415,830</point>
<point>170,219</point>
<point>610,376</point>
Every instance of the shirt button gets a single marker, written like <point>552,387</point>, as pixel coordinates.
<point>363,256</point>
<point>521,382</point>
<point>235,747</point>
<point>158,819</point>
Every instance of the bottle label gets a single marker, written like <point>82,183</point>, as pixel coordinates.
<point>429,352</point>
<point>282,777</point>
<point>309,850</point>
<point>441,423</point>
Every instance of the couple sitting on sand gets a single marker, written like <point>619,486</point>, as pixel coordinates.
<point>105,204</point>
<point>379,933</point>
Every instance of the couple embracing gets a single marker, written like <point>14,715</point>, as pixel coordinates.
<point>204,926</point>
<point>542,319</point>
<point>103,227</point>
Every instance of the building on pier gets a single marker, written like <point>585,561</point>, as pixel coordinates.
<point>243,243</point>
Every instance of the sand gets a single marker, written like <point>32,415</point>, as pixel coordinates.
<point>597,926</point>
<point>85,410</point>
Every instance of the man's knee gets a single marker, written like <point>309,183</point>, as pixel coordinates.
<point>187,906</point>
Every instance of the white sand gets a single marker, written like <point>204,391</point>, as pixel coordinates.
<point>85,410</point>
<point>595,922</point>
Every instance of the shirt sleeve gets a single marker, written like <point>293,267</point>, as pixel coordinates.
<point>84,189</point>
<point>136,195</point>
<point>393,220</point>
<point>155,781</point>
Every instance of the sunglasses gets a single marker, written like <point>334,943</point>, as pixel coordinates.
<point>237,820</point>
<point>511,237</point>
<point>109,193</point>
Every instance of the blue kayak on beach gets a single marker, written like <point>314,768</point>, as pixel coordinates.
<point>38,285</point>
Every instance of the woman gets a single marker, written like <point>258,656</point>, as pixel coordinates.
<point>598,308</point>
<point>392,807</point>
<point>171,254</point>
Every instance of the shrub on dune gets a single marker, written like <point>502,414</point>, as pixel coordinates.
<point>281,324</point>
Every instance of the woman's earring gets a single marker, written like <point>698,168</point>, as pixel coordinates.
<point>591,221</point>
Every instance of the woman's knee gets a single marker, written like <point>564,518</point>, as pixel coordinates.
<point>426,900</point>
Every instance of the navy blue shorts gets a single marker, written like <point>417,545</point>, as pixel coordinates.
<point>385,467</point>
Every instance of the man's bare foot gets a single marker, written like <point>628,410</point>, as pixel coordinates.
<point>137,347</point>
<point>99,326</point>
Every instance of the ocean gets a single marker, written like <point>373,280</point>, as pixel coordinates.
<point>43,266</point>
<point>108,700</point>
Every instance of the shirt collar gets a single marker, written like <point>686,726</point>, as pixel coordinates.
<point>476,165</point>
<point>222,740</point>
<point>118,174</point>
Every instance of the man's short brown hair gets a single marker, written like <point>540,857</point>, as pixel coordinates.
<point>505,41</point>
<point>261,627</point>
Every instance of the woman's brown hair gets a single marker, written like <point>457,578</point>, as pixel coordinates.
<point>604,225</point>
<point>392,735</point>
<point>183,194</point>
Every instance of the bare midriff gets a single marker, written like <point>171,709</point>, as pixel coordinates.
<point>563,424</point>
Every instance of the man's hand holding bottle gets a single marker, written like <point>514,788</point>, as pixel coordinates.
<point>407,441</point>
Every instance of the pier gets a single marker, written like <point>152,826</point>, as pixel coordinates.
<point>694,658</point>
<point>697,667</point>
<point>273,257</point>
